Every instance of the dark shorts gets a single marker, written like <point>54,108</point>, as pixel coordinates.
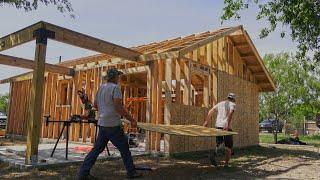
<point>228,140</point>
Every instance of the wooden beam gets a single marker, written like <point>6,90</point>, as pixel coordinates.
<point>206,91</point>
<point>148,106</point>
<point>264,85</point>
<point>35,109</point>
<point>21,77</point>
<point>241,45</point>
<point>19,37</point>
<point>135,70</point>
<point>159,119</point>
<point>87,42</point>
<point>178,80</point>
<point>187,87</point>
<point>254,66</point>
<point>249,55</point>
<point>29,64</point>
<point>259,74</point>
<point>259,59</point>
<point>208,40</point>
<point>159,56</point>
<point>168,101</point>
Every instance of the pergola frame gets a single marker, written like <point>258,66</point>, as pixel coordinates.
<point>41,32</point>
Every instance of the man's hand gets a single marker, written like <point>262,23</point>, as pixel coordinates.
<point>205,124</point>
<point>133,124</point>
<point>226,127</point>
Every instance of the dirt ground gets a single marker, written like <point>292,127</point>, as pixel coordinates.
<point>264,161</point>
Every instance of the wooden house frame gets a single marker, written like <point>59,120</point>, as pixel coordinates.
<point>169,82</point>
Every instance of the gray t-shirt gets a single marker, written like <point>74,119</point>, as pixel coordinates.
<point>108,117</point>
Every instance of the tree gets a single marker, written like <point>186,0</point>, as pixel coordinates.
<point>298,89</point>
<point>301,16</point>
<point>30,5</point>
<point>4,102</point>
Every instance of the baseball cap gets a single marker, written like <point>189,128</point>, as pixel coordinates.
<point>112,73</point>
<point>231,96</point>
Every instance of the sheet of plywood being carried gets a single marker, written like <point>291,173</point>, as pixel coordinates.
<point>185,130</point>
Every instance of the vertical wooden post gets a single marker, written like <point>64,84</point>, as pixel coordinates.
<point>33,128</point>
<point>187,80</point>
<point>154,104</point>
<point>168,102</point>
<point>148,107</point>
<point>206,91</point>
<point>178,81</point>
<point>159,117</point>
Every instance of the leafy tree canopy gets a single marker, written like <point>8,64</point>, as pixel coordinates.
<point>30,5</point>
<point>301,16</point>
<point>298,89</point>
<point>4,102</point>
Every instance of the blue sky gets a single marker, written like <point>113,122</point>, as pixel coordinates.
<point>130,23</point>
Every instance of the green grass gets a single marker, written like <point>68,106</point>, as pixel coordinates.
<point>310,140</point>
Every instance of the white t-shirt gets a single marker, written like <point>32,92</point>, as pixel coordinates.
<point>223,107</point>
<point>108,117</point>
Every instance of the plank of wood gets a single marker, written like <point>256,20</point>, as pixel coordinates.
<point>159,119</point>
<point>135,70</point>
<point>29,64</point>
<point>87,42</point>
<point>168,101</point>
<point>19,37</point>
<point>36,105</point>
<point>154,76</point>
<point>273,87</point>
<point>148,105</point>
<point>187,99</point>
<point>184,130</point>
<point>209,39</point>
<point>178,80</point>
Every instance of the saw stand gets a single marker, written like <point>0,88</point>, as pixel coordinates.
<point>66,125</point>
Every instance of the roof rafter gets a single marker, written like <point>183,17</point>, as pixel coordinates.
<point>209,39</point>
<point>259,59</point>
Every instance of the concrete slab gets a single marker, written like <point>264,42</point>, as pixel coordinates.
<point>15,155</point>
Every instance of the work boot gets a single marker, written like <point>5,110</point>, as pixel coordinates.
<point>134,176</point>
<point>212,157</point>
<point>87,177</point>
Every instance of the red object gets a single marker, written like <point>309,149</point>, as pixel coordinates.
<point>80,149</point>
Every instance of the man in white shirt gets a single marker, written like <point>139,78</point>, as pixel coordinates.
<point>225,111</point>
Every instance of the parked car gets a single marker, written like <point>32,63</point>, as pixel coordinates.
<point>268,124</point>
<point>3,120</point>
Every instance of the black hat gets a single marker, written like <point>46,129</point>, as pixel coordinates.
<point>112,73</point>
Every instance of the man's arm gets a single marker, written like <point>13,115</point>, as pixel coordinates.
<point>210,113</point>
<point>227,125</point>
<point>123,112</point>
<point>95,105</point>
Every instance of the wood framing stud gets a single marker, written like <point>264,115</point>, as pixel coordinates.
<point>168,101</point>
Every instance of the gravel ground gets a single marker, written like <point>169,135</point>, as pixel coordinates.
<point>260,162</point>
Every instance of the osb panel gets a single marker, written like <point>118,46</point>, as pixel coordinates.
<point>189,115</point>
<point>245,119</point>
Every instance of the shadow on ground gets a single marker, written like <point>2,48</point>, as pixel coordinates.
<point>248,163</point>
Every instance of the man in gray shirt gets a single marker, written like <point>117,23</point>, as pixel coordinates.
<point>108,102</point>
